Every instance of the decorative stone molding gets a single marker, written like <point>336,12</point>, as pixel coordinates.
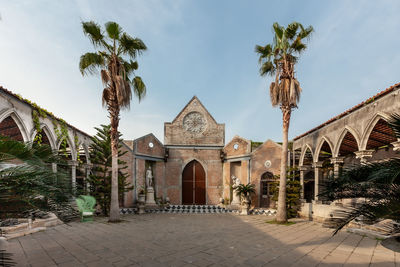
<point>317,164</point>
<point>73,163</point>
<point>363,155</point>
<point>304,168</point>
<point>337,160</point>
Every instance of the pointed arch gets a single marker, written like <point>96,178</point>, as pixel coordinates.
<point>304,150</point>
<point>70,148</point>
<point>87,154</point>
<point>320,146</point>
<point>346,135</point>
<point>45,130</point>
<point>12,114</point>
<point>380,117</point>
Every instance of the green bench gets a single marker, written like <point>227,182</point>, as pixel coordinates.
<point>86,207</point>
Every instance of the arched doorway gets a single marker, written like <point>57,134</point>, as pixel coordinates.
<point>267,180</point>
<point>193,184</point>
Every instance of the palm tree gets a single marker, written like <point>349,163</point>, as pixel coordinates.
<point>118,77</point>
<point>279,59</point>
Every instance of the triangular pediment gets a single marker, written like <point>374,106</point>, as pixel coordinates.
<point>194,125</point>
<point>237,146</point>
<point>194,103</point>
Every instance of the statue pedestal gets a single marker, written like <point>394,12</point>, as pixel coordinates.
<point>235,200</point>
<point>150,197</point>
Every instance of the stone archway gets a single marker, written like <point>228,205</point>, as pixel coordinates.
<point>193,184</point>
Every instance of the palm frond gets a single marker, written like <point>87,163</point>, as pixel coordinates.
<point>131,46</point>
<point>105,77</point>
<point>130,67</point>
<point>291,30</point>
<point>113,30</point>
<point>267,68</point>
<point>89,63</point>
<point>139,88</point>
<point>306,33</point>
<point>124,92</point>
<point>92,30</point>
<point>278,30</point>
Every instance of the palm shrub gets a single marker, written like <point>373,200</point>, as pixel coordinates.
<point>6,258</point>
<point>27,180</point>
<point>293,189</point>
<point>279,59</point>
<point>100,178</point>
<point>378,183</point>
<point>244,191</point>
<point>115,57</point>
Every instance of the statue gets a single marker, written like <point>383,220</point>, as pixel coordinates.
<point>235,197</point>
<point>149,178</point>
<point>150,201</point>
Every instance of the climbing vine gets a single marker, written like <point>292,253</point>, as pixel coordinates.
<point>59,125</point>
<point>61,130</point>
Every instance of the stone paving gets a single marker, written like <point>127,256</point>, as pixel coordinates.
<point>197,240</point>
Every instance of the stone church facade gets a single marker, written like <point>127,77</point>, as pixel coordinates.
<point>195,166</point>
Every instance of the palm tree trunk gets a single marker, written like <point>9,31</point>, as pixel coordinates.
<point>281,215</point>
<point>114,207</point>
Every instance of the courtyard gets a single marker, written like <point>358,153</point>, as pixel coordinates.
<point>197,240</point>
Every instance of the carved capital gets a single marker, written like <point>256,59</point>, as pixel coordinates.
<point>72,163</point>
<point>304,168</point>
<point>317,164</point>
<point>337,160</point>
<point>363,155</point>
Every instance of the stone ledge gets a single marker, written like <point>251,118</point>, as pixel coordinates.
<point>24,232</point>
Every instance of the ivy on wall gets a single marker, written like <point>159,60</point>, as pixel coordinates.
<point>59,125</point>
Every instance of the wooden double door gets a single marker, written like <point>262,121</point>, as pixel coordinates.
<point>193,184</point>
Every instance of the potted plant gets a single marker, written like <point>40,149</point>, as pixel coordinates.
<point>244,192</point>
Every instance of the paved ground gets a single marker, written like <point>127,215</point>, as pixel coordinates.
<point>197,240</point>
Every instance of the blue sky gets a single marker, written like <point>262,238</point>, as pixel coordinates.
<point>203,48</point>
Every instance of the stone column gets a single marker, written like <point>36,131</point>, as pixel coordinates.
<point>337,165</point>
<point>363,155</point>
<point>317,179</point>
<point>73,164</point>
<point>303,170</point>
<point>54,167</point>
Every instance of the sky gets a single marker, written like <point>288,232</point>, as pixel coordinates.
<point>203,48</point>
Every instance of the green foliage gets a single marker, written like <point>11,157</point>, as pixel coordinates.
<point>288,43</point>
<point>115,57</point>
<point>254,145</point>
<point>100,179</point>
<point>39,112</point>
<point>293,189</point>
<point>27,180</point>
<point>61,130</point>
<point>244,191</point>
<point>378,183</point>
